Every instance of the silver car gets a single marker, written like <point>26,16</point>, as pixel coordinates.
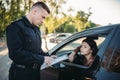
<point>59,37</point>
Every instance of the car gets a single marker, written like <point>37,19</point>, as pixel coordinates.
<point>108,42</point>
<point>59,37</point>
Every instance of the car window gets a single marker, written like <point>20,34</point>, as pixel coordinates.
<point>115,62</point>
<point>68,48</point>
<point>111,61</point>
<point>114,65</point>
<point>72,45</point>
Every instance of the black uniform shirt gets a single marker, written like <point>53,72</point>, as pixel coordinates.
<point>24,42</point>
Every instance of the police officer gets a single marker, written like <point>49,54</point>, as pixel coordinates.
<point>24,44</point>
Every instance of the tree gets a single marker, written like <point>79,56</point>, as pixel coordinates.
<point>66,27</point>
<point>90,24</point>
<point>81,20</point>
<point>11,10</point>
<point>56,19</point>
<point>52,22</point>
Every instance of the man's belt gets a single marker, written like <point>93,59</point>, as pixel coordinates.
<point>33,66</point>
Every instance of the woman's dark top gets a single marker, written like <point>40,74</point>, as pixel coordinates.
<point>91,70</point>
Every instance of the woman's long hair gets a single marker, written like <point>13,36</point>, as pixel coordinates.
<point>92,45</point>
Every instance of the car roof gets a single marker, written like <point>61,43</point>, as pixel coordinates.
<point>101,28</point>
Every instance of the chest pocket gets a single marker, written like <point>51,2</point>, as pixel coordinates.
<point>30,39</point>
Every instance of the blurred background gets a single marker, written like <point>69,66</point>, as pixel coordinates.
<point>66,18</point>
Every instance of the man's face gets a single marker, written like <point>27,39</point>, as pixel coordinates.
<point>39,16</point>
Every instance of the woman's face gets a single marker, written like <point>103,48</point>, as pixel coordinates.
<point>85,49</point>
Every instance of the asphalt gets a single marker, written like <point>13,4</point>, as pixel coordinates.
<point>4,60</point>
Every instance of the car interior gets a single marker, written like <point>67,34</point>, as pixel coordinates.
<point>70,47</point>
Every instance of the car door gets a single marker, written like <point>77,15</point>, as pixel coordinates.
<point>100,35</point>
<point>53,71</point>
<point>110,64</point>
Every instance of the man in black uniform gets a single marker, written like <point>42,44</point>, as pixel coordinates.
<point>24,44</point>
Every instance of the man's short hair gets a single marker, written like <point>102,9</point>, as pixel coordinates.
<point>41,4</point>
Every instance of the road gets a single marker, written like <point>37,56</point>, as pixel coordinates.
<point>5,61</point>
<point>4,64</point>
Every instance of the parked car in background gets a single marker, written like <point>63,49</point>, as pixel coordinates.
<point>50,36</point>
<point>59,37</point>
<point>108,42</point>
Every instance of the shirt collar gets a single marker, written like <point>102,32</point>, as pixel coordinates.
<point>27,22</point>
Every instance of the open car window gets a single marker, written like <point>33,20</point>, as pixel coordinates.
<point>100,36</point>
<point>68,48</point>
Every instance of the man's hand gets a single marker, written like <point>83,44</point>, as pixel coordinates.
<point>48,60</point>
<point>53,56</point>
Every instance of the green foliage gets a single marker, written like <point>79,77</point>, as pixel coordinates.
<point>90,24</point>
<point>65,27</point>
<point>69,29</point>
<point>11,10</point>
<point>81,20</point>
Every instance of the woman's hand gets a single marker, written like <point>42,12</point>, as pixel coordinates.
<point>71,56</point>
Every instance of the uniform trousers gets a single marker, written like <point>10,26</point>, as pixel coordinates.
<point>24,73</point>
